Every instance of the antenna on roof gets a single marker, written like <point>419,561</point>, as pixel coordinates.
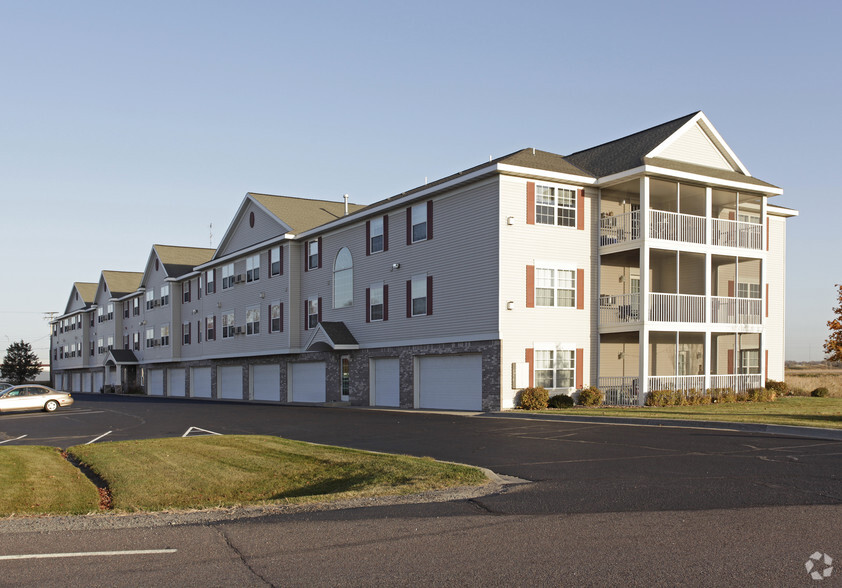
<point>210,238</point>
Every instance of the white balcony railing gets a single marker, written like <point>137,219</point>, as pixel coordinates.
<point>620,391</point>
<point>737,382</point>
<point>674,226</point>
<point>743,311</point>
<point>619,229</point>
<point>682,383</point>
<point>731,233</point>
<point>619,310</point>
<point>676,308</point>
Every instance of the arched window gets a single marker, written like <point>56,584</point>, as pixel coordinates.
<point>343,279</point>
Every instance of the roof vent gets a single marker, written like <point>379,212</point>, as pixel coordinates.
<point>345,196</point>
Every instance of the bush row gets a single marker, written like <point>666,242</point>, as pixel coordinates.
<point>539,398</point>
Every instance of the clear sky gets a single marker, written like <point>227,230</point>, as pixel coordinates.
<point>128,124</point>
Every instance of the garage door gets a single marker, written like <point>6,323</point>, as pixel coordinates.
<point>200,382</point>
<point>385,382</point>
<point>77,382</point>
<point>155,386</point>
<point>98,375</point>
<point>452,382</point>
<point>308,381</point>
<point>266,382</point>
<point>230,381</point>
<point>175,385</point>
<point>86,382</point>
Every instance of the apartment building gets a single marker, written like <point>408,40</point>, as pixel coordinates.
<point>653,261</point>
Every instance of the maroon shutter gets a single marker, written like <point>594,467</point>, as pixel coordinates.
<point>409,299</point>
<point>730,288</point>
<point>282,314</point>
<point>306,255</point>
<point>580,369</point>
<point>530,359</point>
<point>306,316</point>
<point>430,219</point>
<point>385,232</point>
<point>320,253</point>
<point>430,295</point>
<point>368,237</point>
<point>530,203</point>
<point>214,327</point>
<point>320,309</point>
<point>580,209</point>
<point>215,286</point>
<point>731,361</point>
<point>269,306</point>
<point>385,302</point>
<point>190,332</point>
<point>281,259</point>
<point>530,286</point>
<point>766,364</point>
<point>368,305</point>
<point>270,273</point>
<point>409,226</point>
<point>580,288</point>
<point>198,329</point>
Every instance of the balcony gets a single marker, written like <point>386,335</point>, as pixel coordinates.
<point>680,228</point>
<point>624,309</point>
<point>741,311</point>
<point>731,233</point>
<point>676,308</point>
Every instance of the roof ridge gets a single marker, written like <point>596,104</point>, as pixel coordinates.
<point>652,128</point>
<point>305,198</point>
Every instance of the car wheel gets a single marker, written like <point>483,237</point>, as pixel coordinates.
<point>51,406</point>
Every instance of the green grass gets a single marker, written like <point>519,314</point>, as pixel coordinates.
<point>38,480</point>
<point>203,472</point>
<point>790,410</point>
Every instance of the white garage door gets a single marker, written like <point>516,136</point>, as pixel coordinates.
<point>77,382</point>
<point>451,382</point>
<point>86,382</point>
<point>385,380</point>
<point>266,382</point>
<point>200,382</point>
<point>229,380</point>
<point>308,381</point>
<point>98,375</point>
<point>175,384</point>
<point>155,385</point>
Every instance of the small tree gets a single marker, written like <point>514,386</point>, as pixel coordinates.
<point>833,345</point>
<point>20,364</point>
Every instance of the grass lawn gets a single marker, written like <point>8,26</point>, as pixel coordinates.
<point>202,472</point>
<point>789,410</point>
<point>38,480</point>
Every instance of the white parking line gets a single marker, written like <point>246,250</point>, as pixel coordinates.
<point>15,439</point>
<point>98,438</point>
<point>191,429</point>
<point>88,554</point>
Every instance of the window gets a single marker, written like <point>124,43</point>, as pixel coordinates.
<point>312,314</point>
<point>343,279</point>
<point>276,324</point>
<point>210,285</point>
<point>99,314</point>
<point>345,368</point>
<point>419,222</point>
<point>110,343</point>
<point>749,361</point>
<point>418,295</point>
<point>135,306</point>
<point>92,348</point>
<point>150,299</point>
<point>376,239</point>
<point>165,295</point>
<point>100,348</point>
<point>555,206</point>
<point>136,341</point>
<point>185,333</point>
<point>376,302</point>
<point>275,262</point>
<point>253,320</point>
<point>210,328</point>
<point>555,368</point>
<point>227,276</point>
<point>253,268</point>
<point>126,309</point>
<point>150,338</point>
<point>312,254</point>
<point>555,287</point>
<point>745,290</point>
<point>165,335</point>
<point>110,312</point>
<point>227,323</point>
<point>185,291</point>
<point>79,350</point>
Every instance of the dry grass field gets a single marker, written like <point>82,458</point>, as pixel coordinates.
<point>803,380</point>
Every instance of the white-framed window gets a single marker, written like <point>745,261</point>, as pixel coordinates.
<point>165,294</point>
<point>312,314</point>
<point>376,302</point>
<point>227,276</point>
<point>210,284</point>
<point>749,361</point>
<point>165,335</point>
<point>555,367</point>
<point>78,350</point>
<point>110,342</point>
<point>745,290</point>
<point>136,306</point>
<point>253,320</point>
<point>555,286</point>
<point>100,345</point>
<point>150,299</point>
<point>555,205</point>
<point>376,238</point>
<point>227,323</point>
<point>275,257</point>
<point>253,268</point>
<point>99,314</point>
<point>110,311</point>
<point>185,291</point>
<point>345,376</point>
<point>150,337</point>
<point>210,328</point>
<point>136,341</point>
<point>312,254</point>
<point>418,294</point>
<point>275,323</point>
<point>185,333</point>
<point>419,222</point>
<point>343,279</point>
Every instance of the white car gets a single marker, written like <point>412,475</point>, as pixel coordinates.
<point>33,397</point>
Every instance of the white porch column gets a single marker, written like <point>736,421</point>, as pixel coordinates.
<point>764,369</point>
<point>707,359</point>
<point>643,335</point>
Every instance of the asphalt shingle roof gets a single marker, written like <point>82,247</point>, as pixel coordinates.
<point>302,214</point>
<point>121,283</point>
<point>87,290</point>
<point>181,260</point>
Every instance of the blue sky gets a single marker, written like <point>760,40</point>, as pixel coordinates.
<point>125,125</point>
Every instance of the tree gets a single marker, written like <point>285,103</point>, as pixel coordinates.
<point>833,345</point>
<point>20,364</point>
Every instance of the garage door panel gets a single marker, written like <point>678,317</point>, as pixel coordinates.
<point>200,383</point>
<point>308,381</point>
<point>266,382</point>
<point>450,382</point>
<point>156,383</point>
<point>175,386</point>
<point>98,381</point>
<point>230,382</point>
<point>386,382</point>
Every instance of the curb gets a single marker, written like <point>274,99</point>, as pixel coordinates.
<point>781,430</point>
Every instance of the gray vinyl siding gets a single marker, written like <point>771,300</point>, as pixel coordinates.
<point>241,235</point>
<point>776,278</point>
<point>461,257</point>
<point>170,314</point>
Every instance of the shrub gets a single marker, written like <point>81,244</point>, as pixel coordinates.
<point>723,395</point>
<point>821,392</point>
<point>591,396</point>
<point>660,398</point>
<point>533,398</point>
<point>560,401</point>
<point>794,391</point>
<point>779,388</point>
<point>695,397</point>
<point>760,395</point>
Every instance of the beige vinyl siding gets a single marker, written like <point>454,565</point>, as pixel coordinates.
<point>461,257</point>
<point>521,245</point>
<point>694,146</point>
<point>241,235</point>
<point>776,278</point>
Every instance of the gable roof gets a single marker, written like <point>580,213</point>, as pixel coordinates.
<point>543,160</point>
<point>181,260</point>
<point>121,283</point>
<point>87,291</point>
<point>301,214</point>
